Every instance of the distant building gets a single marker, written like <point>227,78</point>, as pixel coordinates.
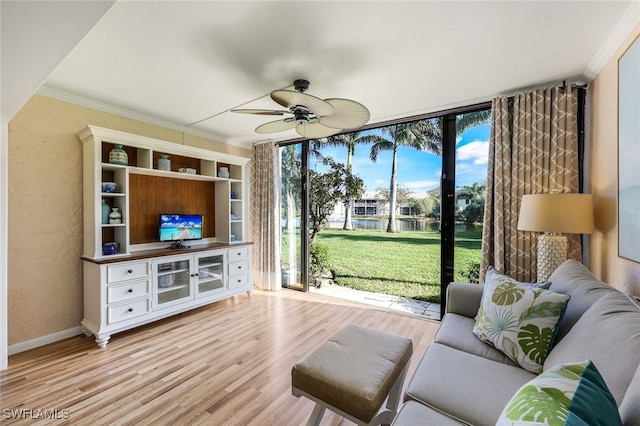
<point>463,199</point>
<point>370,205</point>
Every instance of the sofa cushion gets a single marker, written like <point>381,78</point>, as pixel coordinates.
<point>457,383</point>
<point>608,334</point>
<point>416,414</point>
<point>574,279</point>
<point>519,319</point>
<point>456,331</point>
<point>630,407</point>
<point>566,394</point>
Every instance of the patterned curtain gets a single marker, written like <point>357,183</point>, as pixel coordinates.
<point>533,149</point>
<point>265,215</point>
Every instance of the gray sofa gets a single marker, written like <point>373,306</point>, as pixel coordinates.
<point>462,380</point>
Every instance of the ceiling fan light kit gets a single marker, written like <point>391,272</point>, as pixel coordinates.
<point>312,117</point>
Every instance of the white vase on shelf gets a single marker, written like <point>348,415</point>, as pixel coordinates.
<point>115,217</point>
<point>223,172</point>
<point>164,163</point>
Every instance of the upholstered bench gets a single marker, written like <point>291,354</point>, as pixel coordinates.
<point>358,373</point>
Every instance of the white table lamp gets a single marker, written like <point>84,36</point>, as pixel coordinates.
<point>555,214</point>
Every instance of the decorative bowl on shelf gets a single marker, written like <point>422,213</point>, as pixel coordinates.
<point>109,187</point>
<point>110,248</point>
<point>187,170</point>
<point>165,281</point>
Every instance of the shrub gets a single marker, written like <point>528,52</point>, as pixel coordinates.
<point>472,272</point>
<point>318,262</point>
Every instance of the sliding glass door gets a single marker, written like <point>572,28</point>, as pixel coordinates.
<point>416,225</point>
<point>293,222</point>
<point>464,171</point>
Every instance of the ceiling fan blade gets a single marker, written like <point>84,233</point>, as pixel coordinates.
<point>349,114</point>
<point>314,130</point>
<point>277,126</point>
<point>260,111</point>
<point>290,98</point>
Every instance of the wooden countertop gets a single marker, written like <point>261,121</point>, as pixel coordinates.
<point>168,251</point>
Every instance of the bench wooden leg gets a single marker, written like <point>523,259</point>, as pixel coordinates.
<point>316,415</point>
<point>393,401</point>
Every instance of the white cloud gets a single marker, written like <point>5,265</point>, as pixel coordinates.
<point>477,151</point>
<point>466,174</point>
<point>421,185</point>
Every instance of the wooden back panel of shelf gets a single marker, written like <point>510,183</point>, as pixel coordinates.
<point>177,161</point>
<point>150,196</point>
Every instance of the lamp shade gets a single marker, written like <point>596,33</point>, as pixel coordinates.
<point>556,213</point>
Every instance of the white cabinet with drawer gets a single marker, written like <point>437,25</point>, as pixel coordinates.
<point>127,291</point>
<point>128,271</point>
<point>127,311</point>
<point>239,258</point>
<point>121,294</point>
<point>239,253</point>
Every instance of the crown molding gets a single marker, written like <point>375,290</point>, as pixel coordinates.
<point>623,28</point>
<point>123,112</point>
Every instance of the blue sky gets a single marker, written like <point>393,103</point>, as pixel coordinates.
<point>420,171</point>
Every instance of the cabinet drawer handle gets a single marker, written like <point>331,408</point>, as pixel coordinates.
<point>130,271</point>
<point>130,309</point>
<point>130,290</point>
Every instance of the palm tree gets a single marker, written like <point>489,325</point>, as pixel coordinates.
<point>349,141</point>
<point>469,120</point>
<point>423,135</point>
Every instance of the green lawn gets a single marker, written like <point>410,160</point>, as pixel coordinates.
<point>404,264</point>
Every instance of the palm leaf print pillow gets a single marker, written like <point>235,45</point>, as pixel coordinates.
<point>568,394</point>
<point>519,319</point>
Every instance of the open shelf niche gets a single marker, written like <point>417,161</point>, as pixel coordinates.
<point>191,186</point>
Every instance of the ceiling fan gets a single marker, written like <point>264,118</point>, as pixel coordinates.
<point>311,116</point>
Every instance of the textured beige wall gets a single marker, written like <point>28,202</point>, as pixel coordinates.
<point>604,261</point>
<point>45,210</point>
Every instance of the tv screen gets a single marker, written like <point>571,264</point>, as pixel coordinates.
<point>180,227</point>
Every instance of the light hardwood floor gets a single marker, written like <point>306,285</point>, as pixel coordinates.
<point>228,363</point>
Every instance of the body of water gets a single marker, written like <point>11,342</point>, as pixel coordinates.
<point>403,224</point>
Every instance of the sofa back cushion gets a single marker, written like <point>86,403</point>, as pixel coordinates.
<point>630,407</point>
<point>574,279</point>
<point>608,334</point>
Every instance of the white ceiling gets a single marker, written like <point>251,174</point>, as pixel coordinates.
<point>180,62</point>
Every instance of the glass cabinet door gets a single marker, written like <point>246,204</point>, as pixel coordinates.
<point>173,282</point>
<point>210,276</point>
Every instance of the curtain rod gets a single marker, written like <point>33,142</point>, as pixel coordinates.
<point>457,110</point>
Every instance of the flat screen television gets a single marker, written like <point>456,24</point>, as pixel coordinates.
<point>181,227</point>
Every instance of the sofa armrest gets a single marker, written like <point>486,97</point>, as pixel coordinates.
<point>464,298</point>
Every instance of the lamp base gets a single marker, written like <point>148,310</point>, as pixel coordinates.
<point>552,252</point>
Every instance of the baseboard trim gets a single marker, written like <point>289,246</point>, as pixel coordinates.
<point>44,340</point>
